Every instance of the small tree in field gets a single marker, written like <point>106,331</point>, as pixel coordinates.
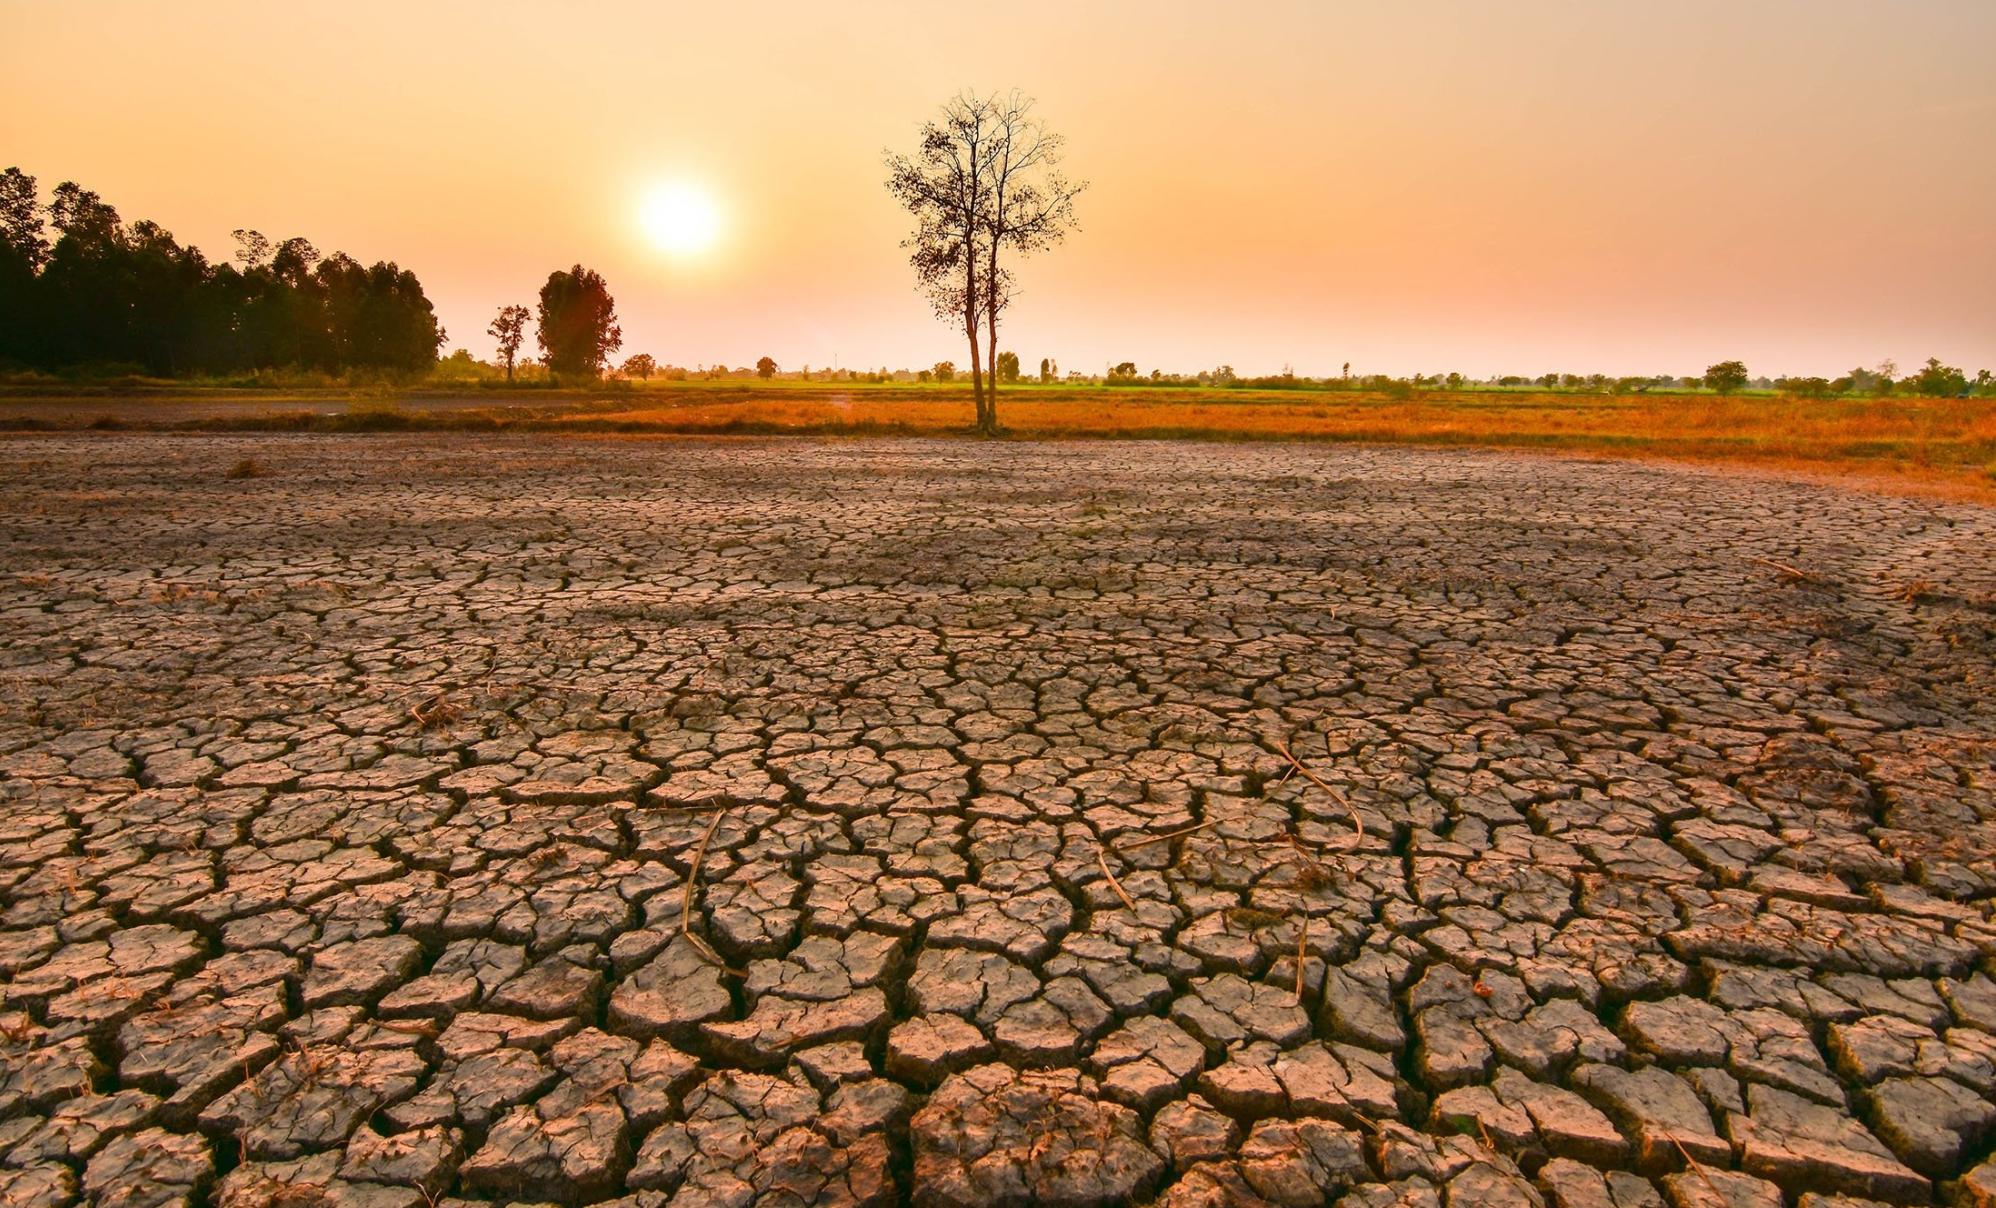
<point>984,183</point>
<point>578,322</point>
<point>945,371</point>
<point>1726,377</point>
<point>641,366</point>
<point>766,368</point>
<point>1008,366</point>
<point>510,329</point>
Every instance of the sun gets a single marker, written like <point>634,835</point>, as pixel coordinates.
<point>680,218</point>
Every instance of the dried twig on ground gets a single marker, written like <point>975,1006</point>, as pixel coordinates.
<point>692,888</point>
<point>1789,574</point>
<point>1102,861</point>
<point>1302,948</point>
<point>1357,822</point>
<point>1698,1166</point>
<point>1164,838</point>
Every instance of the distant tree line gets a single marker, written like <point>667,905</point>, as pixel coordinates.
<point>79,287</point>
<point>1934,380</point>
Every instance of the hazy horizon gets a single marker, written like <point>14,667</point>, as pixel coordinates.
<point>1617,189</point>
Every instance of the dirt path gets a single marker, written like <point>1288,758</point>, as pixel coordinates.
<point>796,822</point>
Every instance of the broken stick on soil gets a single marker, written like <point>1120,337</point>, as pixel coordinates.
<point>1788,573</point>
<point>1357,823</point>
<point>1102,860</point>
<point>699,943</point>
<point>1164,838</point>
<point>1302,946</point>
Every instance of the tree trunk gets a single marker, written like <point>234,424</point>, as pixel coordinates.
<point>991,360</point>
<point>991,316</point>
<point>970,309</point>
<point>977,379</point>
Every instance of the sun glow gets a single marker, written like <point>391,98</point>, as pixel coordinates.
<point>680,218</point>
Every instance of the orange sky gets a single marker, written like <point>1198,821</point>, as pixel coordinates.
<point>1483,187</point>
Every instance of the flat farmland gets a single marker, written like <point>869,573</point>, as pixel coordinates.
<point>1944,448</point>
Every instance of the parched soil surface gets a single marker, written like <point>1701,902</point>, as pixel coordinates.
<point>401,821</point>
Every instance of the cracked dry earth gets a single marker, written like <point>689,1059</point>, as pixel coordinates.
<point>436,821</point>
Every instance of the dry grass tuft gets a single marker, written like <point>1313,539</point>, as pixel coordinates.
<point>437,710</point>
<point>246,467</point>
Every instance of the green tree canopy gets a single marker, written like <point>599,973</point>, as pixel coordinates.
<point>1726,376</point>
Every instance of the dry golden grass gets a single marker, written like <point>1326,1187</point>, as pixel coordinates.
<point>1944,447</point>
<point>1936,447</point>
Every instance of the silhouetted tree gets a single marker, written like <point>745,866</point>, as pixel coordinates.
<point>765,368</point>
<point>1029,207</point>
<point>252,248</point>
<point>641,366</point>
<point>21,219</point>
<point>945,371</point>
<point>1008,366</point>
<point>23,250</point>
<point>377,316</point>
<point>81,291</point>
<point>945,187</point>
<point>578,322</point>
<point>509,329</point>
<point>108,293</point>
<point>1726,376</point>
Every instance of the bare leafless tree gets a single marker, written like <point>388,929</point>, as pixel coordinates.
<point>1031,208</point>
<point>984,182</point>
<point>942,186</point>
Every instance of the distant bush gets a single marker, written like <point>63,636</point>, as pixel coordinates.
<point>461,366</point>
<point>1805,387</point>
<point>1937,380</point>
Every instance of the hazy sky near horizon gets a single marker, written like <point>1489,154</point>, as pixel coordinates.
<point>1485,187</point>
